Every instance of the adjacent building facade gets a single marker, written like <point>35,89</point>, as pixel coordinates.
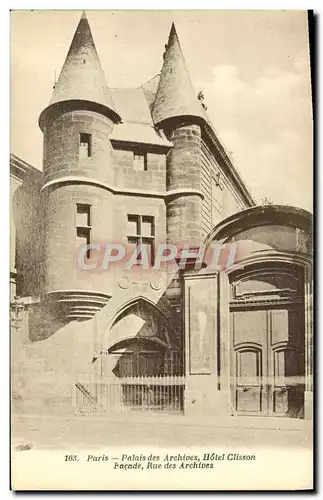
<point>140,169</point>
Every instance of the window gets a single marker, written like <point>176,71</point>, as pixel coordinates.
<point>217,199</point>
<point>83,226</point>
<point>140,162</point>
<point>85,150</point>
<point>83,215</point>
<point>141,232</point>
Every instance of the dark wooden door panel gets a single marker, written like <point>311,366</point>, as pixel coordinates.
<point>249,326</point>
<point>267,367</point>
<point>248,380</point>
<point>248,400</point>
<point>288,380</point>
<point>249,340</point>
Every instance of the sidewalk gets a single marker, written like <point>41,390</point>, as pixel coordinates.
<point>250,422</point>
<point>95,431</point>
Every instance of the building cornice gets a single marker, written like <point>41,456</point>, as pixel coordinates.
<point>261,215</point>
<point>166,195</point>
<point>129,145</point>
<point>229,167</point>
<point>20,169</point>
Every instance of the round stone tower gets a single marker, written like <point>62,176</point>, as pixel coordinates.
<point>77,168</point>
<point>178,112</point>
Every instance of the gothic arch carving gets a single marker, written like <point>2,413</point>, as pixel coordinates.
<point>140,342</point>
<point>151,314</point>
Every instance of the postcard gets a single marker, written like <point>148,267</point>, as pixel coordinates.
<point>161,250</point>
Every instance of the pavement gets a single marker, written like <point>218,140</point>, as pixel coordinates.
<point>90,431</point>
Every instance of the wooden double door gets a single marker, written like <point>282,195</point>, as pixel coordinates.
<point>267,360</point>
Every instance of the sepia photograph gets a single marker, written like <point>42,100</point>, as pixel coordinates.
<point>161,250</point>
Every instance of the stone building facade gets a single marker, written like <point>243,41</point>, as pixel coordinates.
<point>144,166</point>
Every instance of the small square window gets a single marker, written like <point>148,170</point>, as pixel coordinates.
<point>85,149</point>
<point>83,215</point>
<point>140,162</point>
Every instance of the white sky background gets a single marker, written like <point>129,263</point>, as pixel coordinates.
<point>253,67</point>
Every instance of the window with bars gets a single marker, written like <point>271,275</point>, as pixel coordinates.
<point>140,163</point>
<point>83,226</point>
<point>141,233</point>
<point>85,146</point>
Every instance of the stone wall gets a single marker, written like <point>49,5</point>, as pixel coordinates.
<point>152,179</point>
<point>225,201</point>
<point>26,237</point>
<point>61,146</point>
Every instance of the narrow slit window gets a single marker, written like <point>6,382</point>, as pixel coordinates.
<point>85,146</point>
<point>84,238</point>
<point>83,215</point>
<point>217,199</point>
<point>83,226</point>
<point>140,162</point>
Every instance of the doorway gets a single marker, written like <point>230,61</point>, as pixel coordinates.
<point>267,360</point>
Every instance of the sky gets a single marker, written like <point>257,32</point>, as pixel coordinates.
<point>253,68</point>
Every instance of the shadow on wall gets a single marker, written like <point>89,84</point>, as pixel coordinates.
<point>144,344</point>
<point>271,237</point>
<point>43,322</point>
<point>26,213</point>
<point>142,324</point>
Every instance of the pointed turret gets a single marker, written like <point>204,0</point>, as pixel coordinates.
<point>82,78</point>
<point>175,95</point>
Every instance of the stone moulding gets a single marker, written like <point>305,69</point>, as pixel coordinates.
<point>75,304</point>
<point>167,195</point>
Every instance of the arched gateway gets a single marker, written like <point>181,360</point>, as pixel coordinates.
<point>252,352</point>
<point>139,365</point>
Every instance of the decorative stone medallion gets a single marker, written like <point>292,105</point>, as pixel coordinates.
<point>156,283</point>
<point>124,282</point>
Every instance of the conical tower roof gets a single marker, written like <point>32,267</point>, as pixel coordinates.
<point>175,95</point>
<point>82,77</point>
